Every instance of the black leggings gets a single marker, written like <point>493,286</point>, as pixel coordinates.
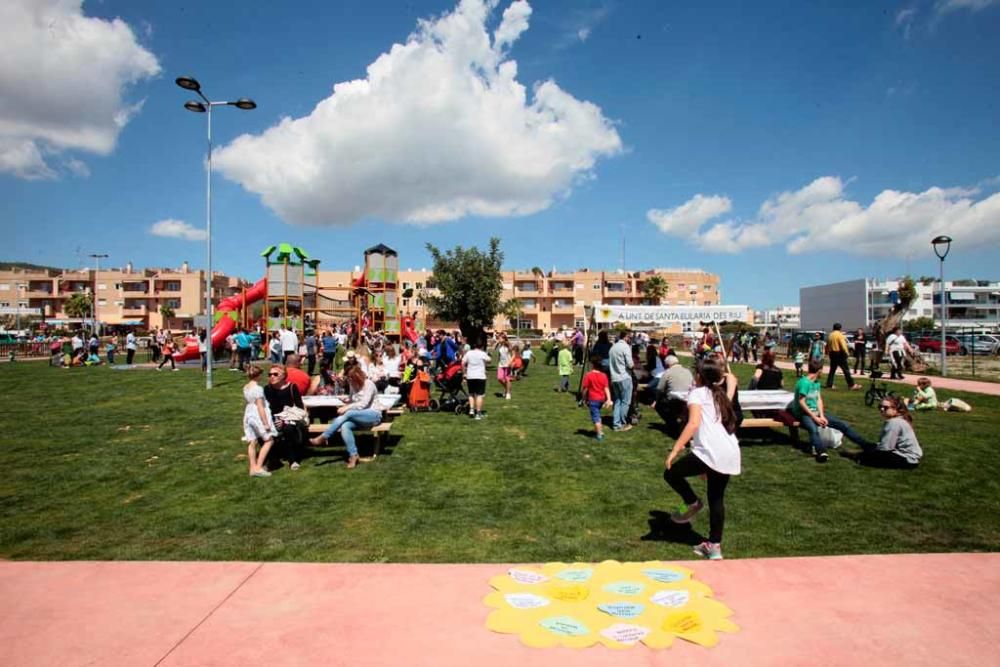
<point>689,466</point>
<point>877,458</point>
<point>166,358</point>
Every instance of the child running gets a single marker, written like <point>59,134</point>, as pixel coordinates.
<point>257,424</point>
<point>715,452</point>
<point>596,391</point>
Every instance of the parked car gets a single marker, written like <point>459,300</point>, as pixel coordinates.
<point>932,344</point>
<point>979,344</point>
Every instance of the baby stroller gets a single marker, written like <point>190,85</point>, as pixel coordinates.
<point>419,395</point>
<point>453,396</point>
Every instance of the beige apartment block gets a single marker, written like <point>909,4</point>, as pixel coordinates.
<point>125,296</point>
<point>554,300</point>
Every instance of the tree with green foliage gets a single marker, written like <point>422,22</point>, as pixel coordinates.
<point>907,294</point>
<point>513,309</point>
<point>470,286</point>
<point>654,289</point>
<point>167,312</point>
<point>78,305</point>
<point>919,324</point>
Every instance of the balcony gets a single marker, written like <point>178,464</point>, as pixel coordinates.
<point>560,289</point>
<point>133,288</point>
<point>562,306</point>
<point>135,310</point>
<point>526,288</point>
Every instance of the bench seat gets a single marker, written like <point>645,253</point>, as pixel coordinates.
<point>379,431</point>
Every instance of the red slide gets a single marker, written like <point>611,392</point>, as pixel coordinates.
<point>226,324</point>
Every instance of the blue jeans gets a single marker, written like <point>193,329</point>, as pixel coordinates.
<point>347,422</point>
<point>621,394</point>
<point>807,423</point>
<point>595,411</point>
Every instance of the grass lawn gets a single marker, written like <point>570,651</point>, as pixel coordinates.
<point>107,464</point>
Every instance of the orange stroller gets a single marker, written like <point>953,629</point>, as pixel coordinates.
<point>420,393</point>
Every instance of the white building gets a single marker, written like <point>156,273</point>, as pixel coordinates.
<point>860,303</point>
<point>782,318</point>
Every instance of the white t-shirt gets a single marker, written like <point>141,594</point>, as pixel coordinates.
<point>391,365</point>
<point>526,354</point>
<point>895,343</point>
<point>289,341</point>
<point>130,341</point>
<point>718,449</point>
<point>503,356</point>
<point>475,362</point>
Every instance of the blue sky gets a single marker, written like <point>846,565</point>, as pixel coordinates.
<point>777,144</point>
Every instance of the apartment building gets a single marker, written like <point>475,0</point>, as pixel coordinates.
<point>782,318</point>
<point>124,296</point>
<point>862,302</point>
<point>553,300</point>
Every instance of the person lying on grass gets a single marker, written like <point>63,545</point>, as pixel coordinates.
<point>807,407</point>
<point>360,410</point>
<point>715,453</point>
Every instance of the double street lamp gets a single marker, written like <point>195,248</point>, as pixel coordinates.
<point>942,244</point>
<point>205,107</point>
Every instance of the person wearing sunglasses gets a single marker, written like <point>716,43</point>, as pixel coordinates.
<point>280,394</point>
<point>897,446</point>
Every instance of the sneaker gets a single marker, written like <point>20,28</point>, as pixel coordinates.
<point>687,515</point>
<point>600,437</point>
<point>709,550</point>
<point>478,418</point>
<point>261,473</point>
<point>822,457</point>
<point>626,427</point>
<point>507,397</point>
<point>175,369</point>
<point>295,466</point>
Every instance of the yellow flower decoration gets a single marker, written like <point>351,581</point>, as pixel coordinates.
<point>612,603</point>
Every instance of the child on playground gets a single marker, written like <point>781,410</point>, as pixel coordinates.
<point>715,453</point>
<point>924,396</point>
<point>565,361</point>
<point>258,428</point>
<point>596,391</point>
<point>800,359</point>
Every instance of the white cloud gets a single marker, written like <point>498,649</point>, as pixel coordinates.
<point>439,129</point>
<point>177,229</point>
<point>820,216</point>
<point>687,218</point>
<point>945,6</point>
<point>76,167</point>
<point>904,20</point>
<point>62,79</point>
<point>582,34</point>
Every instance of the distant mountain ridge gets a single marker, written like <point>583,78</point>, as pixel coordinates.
<point>7,266</point>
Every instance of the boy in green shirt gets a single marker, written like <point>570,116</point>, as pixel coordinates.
<point>565,360</point>
<point>807,406</point>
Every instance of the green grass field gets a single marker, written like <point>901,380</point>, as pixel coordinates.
<point>106,464</point>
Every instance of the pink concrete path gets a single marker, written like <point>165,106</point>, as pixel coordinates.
<point>872,610</point>
<point>940,384</point>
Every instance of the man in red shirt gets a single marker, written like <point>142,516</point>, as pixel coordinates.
<point>296,375</point>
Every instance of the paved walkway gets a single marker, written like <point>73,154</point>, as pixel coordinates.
<point>873,610</point>
<point>940,384</point>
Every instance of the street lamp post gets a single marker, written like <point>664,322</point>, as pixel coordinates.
<point>98,256</point>
<point>20,291</point>
<point>205,107</point>
<point>942,244</point>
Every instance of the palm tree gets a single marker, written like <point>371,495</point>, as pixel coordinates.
<point>77,306</point>
<point>167,313</point>
<point>513,309</point>
<point>654,289</point>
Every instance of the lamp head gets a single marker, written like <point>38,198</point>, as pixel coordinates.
<point>245,104</point>
<point>193,105</point>
<point>188,83</point>
<point>942,244</point>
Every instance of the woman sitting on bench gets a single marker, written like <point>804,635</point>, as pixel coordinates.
<point>359,411</point>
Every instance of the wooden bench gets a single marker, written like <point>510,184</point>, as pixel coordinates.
<point>767,422</point>
<point>379,431</point>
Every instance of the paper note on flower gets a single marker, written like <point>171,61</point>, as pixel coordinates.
<point>625,633</point>
<point>671,598</point>
<point>622,609</point>
<point>575,575</point>
<point>527,576</point>
<point>526,600</point>
<point>664,576</point>
<point>565,625</point>
<point>625,588</point>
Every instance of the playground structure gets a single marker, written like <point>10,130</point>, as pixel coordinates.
<point>294,299</point>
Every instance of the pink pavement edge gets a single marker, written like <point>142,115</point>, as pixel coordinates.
<point>927,609</point>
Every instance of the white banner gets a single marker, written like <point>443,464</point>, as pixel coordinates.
<point>23,310</point>
<point>669,314</point>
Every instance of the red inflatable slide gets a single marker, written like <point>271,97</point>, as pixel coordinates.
<point>226,324</point>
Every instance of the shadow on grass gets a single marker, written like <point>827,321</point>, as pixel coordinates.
<point>662,529</point>
<point>366,449</point>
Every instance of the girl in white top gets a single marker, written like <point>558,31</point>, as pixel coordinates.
<point>257,424</point>
<point>715,453</point>
<point>474,368</point>
<point>391,366</point>
<point>503,364</point>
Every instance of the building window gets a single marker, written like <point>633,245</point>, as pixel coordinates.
<point>597,285</point>
<point>418,303</point>
<point>406,302</point>
<point>707,303</point>
<point>681,286</point>
<point>406,285</point>
<point>102,302</point>
<point>418,286</point>
<point>101,286</point>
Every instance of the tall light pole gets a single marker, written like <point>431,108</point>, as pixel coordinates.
<point>98,256</point>
<point>20,290</point>
<point>942,244</point>
<point>205,106</point>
